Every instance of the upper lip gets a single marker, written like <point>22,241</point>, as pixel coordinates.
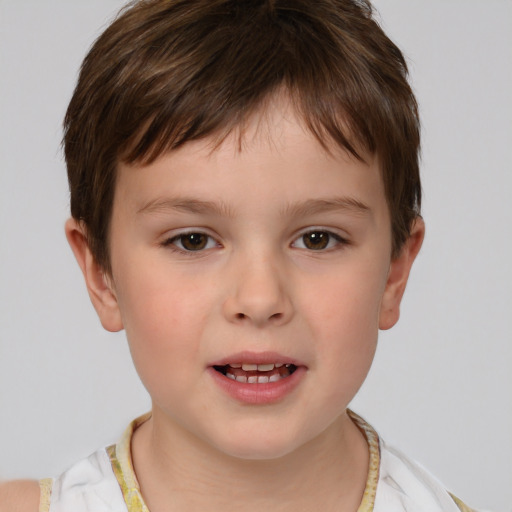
<point>266,357</point>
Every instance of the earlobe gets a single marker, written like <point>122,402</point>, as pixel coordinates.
<point>99,285</point>
<point>398,276</point>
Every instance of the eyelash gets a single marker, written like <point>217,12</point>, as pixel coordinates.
<point>334,241</point>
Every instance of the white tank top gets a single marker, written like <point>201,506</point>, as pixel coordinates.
<point>106,482</point>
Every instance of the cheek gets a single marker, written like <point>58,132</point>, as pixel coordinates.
<point>347,305</point>
<point>343,320</point>
<point>164,318</point>
<point>348,333</point>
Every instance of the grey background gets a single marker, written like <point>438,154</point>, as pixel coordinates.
<point>441,385</point>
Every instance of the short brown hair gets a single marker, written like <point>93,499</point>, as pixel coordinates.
<point>170,71</point>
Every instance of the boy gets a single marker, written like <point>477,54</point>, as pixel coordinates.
<point>246,205</point>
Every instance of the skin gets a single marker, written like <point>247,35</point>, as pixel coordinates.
<point>19,496</point>
<point>256,286</point>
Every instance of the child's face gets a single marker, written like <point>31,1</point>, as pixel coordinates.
<point>275,254</point>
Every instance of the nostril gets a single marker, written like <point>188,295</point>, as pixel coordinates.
<point>275,316</point>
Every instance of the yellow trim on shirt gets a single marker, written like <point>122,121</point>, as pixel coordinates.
<point>372,438</point>
<point>462,506</point>
<point>121,460</point>
<point>45,487</point>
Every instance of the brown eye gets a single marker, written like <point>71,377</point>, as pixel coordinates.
<point>319,240</point>
<point>192,242</point>
<point>316,240</point>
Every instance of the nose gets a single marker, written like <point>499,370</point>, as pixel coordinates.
<point>258,292</point>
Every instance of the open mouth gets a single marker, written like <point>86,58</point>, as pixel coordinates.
<point>256,373</point>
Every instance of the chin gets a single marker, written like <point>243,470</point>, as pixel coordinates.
<point>258,446</point>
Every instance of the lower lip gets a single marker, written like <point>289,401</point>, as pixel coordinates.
<point>259,394</point>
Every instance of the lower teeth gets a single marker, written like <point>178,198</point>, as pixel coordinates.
<point>251,378</point>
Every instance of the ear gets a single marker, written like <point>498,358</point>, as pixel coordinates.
<point>398,275</point>
<point>99,284</point>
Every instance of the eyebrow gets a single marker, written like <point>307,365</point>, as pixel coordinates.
<point>187,205</point>
<point>315,206</point>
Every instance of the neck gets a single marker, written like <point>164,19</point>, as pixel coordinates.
<point>178,471</point>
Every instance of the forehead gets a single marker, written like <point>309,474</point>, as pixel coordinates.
<point>276,116</point>
<point>259,123</point>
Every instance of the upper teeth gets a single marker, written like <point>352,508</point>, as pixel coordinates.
<point>249,367</point>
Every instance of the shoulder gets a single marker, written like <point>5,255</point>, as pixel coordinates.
<point>19,496</point>
<point>404,484</point>
<point>89,485</point>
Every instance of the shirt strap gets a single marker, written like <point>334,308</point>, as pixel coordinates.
<point>462,506</point>
<point>121,461</point>
<point>372,479</point>
<point>45,487</point>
